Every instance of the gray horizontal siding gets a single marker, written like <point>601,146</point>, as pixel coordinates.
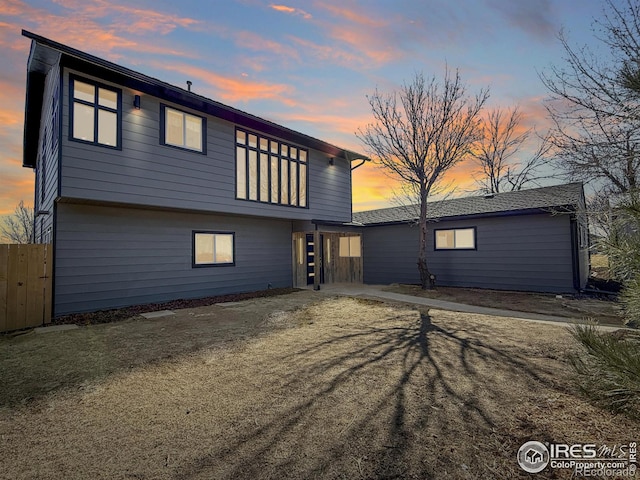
<point>46,185</point>
<point>146,173</point>
<point>390,254</point>
<point>528,252</point>
<point>108,257</point>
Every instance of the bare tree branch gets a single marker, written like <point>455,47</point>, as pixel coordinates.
<point>420,132</point>
<point>595,103</point>
<point>496,153</point>
<point>18,227</point>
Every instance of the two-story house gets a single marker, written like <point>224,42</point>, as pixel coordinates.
<point>149,192</point>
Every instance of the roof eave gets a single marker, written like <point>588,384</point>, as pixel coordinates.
<point>32,112</point>
<point>193,100</point>
<point>567,208</point>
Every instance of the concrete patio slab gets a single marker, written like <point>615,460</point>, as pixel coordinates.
<point>376,291</point>
<point>159,314</point>
<point>55,328</point>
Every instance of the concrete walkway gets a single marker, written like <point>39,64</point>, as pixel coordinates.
<point>376,291</point>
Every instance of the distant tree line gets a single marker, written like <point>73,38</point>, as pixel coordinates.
<point>19,226</point>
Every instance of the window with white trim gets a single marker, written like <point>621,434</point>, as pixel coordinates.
<point>181,129</point>
<point>455,239</point>
<point>213,248</point>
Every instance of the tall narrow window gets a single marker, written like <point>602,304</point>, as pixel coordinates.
<point>253,175</point>
<point>95,113</point>
<point>43,166</point>
<point>181,129</point>
<point>270,171</point>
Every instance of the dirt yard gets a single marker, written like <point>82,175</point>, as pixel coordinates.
<point>298,386</point>
<point>603,311</point>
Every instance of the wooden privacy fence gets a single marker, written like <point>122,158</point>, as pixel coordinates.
<point>25,286</point>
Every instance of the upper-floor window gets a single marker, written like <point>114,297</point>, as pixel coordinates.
<point>182,129</point>
<point>456,239</point>
<point>270,171</point>
<point>95,113</point>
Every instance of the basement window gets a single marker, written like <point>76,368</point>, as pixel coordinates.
<point>455,239</point>
<point>213,249</point>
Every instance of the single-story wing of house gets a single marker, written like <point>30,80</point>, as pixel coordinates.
<point>530,240</point>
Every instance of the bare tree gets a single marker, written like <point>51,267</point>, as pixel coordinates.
<point>420,132</point>
<point>499,168</point>
<point>593,104</point>
<point>18,227</point>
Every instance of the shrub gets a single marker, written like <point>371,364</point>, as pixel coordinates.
<point>621,244</point>
<point>630,298</point>
<point>608,368</point>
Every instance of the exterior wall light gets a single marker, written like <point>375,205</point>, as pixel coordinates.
<point>136,102</point>
<point>332,161</point>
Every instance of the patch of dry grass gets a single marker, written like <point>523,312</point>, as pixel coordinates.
<point>605,312</point>
<point>599,261</point>
<point>342,388</point>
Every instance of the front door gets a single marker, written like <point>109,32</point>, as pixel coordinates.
<point>310,259</point>
<point>313,254</point>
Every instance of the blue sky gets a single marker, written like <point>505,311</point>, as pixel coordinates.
<point>306,65</point>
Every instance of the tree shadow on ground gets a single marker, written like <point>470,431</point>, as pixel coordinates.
<point>400,398</point>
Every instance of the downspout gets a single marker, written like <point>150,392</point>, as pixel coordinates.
<point>351,158</point>
<point>575,253</point>
<point>360,164</point>
<point>316,258</point>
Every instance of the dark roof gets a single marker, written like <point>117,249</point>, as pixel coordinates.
<point>565,197</point>
<point>45,53</point>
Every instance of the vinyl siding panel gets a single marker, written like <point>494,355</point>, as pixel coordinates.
<point>108,257</point>
<point>46,184</point>
<point>527,252</point>
<point>146,173</point>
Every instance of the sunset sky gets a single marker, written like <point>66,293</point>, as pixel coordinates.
<point>307,65</point>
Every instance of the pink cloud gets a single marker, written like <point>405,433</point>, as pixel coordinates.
<point>253,41</point>
<point>352,16</point>
<point>79,26</point>
<point>131,19</point>
<point>291,10</point>
<point>363,34</point>
<point>234,89</point>
<point>329,53</point>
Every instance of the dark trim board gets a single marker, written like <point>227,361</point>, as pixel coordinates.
<point>33,109</point>
<point>575,254</point>
<point>100,68</point>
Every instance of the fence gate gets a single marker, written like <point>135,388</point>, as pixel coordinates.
<point>25,286</point>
